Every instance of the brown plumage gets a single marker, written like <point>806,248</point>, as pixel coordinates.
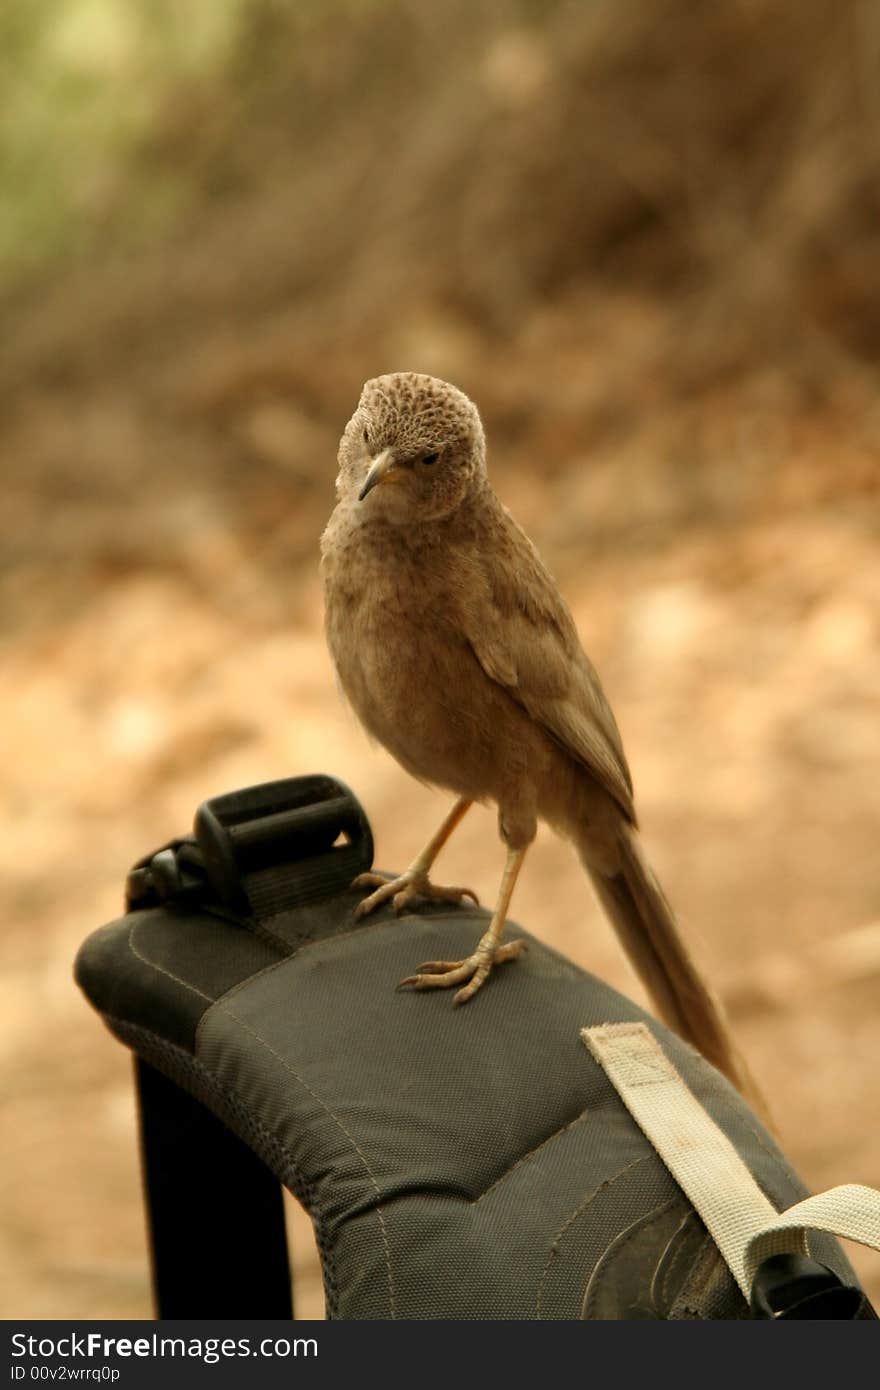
<point>458,653</point>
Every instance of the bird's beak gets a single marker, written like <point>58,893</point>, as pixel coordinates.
<point>379,469</point>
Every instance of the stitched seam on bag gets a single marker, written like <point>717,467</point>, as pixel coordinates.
<point>212,999</point>
<point>570,1220</point>
<point>350,1137</point>
<point>223,999</point>
<point>194,989</point>
<point>524,1158</point>
<point>351,929</point>
<point>220,1004</point>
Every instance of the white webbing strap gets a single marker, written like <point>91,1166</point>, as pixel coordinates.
<point>745,1226</point>
<point>850,1211</point>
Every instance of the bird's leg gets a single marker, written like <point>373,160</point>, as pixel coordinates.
<point>414,881</point>
<point>440,974</point>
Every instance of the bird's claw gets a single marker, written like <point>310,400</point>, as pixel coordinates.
<point>403,889</point>
<point>442,974</point>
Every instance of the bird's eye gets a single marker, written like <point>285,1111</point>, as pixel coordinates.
<point>430,458</point>
<point>367,437</point>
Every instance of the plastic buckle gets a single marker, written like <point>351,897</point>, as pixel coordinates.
<point>254,850</point>
<point>172,874</point>
<point>259,828</point>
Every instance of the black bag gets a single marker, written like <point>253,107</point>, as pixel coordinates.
<point>456,1163</point>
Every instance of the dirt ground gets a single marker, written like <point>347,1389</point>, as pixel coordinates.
<point>674,349</point>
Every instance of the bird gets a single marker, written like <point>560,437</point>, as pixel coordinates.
<point>457,652</point>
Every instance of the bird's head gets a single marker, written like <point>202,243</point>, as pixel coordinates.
<point>413,449</point>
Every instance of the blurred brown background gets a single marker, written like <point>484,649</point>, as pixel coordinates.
<point>643,235</point>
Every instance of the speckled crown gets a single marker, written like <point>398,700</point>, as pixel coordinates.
<point>419,410</point>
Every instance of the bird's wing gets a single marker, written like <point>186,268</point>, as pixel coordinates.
<point>524,637</point>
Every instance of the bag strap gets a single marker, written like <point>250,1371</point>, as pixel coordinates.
<point>744,1224</point>
<point>851,1211</point>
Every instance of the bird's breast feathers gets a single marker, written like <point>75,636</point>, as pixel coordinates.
<point>401,658</point>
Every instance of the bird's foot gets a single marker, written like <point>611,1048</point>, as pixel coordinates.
<point>442,974</point>
<point>412,883</point>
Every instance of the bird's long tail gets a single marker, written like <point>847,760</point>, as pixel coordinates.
<point>648,932</point>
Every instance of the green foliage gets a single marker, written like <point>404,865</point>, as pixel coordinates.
<point>83,84</point>
<point>116,115</point>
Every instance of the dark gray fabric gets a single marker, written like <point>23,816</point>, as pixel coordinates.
<point>458,1163</point>
<point>475,1160</point>
<point>162,968</point>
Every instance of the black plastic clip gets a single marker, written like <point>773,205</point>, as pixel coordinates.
<point>261,850</point>
<point>792,1286</point>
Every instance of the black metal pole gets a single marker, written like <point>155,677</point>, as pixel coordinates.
<point>215,1214</point>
